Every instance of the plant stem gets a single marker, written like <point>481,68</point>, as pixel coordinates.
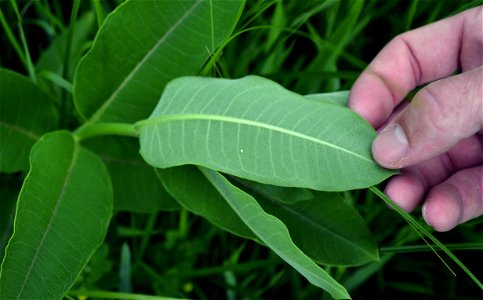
<point>183,224</point>
<point>100,13</point>
<point>423,248</point>
<point>23,39</point>
<point>100,129</point>
<point>12,39</point>
<point>148,232</point>
<point>115,295</point>
<point>65,68</point>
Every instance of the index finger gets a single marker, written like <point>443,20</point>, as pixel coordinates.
<point>416,57</point>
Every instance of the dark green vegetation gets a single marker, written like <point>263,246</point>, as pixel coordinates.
<point>82,127</point>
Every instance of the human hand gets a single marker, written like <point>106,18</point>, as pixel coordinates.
<point>437,139</point>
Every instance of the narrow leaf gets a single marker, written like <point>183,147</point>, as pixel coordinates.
<point>62,216</point>
<point>191,189</point>
<point>274,234</point>
<point>322,225</point>
<point>26,112</point>
<point>141,46</point>
<point>51,61</point>
<point>423,232</point>
<point>135,184</point>
<point>327,229</point>
<point>255,129</point>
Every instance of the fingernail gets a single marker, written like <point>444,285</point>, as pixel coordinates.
<point>423,211</point>
<point>391,145</point>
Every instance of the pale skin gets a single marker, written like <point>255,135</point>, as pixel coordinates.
<point>436,140</point>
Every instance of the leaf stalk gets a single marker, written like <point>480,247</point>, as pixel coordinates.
<point>101,129</point>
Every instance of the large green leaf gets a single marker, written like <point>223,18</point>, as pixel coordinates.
<point>62,216</point>
<point>274,234</point>
<point>320,224</point>
<point>255,129</point>
<point>326,228</point>
<point>135,184</point>
<point>141,46</point>
<point>26,112</point>
<point>191,189</point>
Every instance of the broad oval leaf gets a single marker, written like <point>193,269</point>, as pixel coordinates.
<point>274,234</point>
<point>26,113</point>
<point>141,46</point>
<point>135,184</point>
<point>62,215</point>
<point>255,129</point>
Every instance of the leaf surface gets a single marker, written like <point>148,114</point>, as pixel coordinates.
<point>191,189</point>
<point>321,224</point>
<point>26,112</point>
<point>62,215</point>
<point>255,129</point>
<point>326,228</point>
<point>340,98</point>
<point>287,195</point>
<point>135,184</point>
<point>141,46</point>
<point>274,234</point>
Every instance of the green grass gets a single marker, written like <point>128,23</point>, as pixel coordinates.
<point>308,47</point>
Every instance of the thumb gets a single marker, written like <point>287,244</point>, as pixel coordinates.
<point>439,116</point>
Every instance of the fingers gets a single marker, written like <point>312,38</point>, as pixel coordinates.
<point>440,115</point>
<point>416,57</point>
<point>409,188</point>
<point>456,200</point>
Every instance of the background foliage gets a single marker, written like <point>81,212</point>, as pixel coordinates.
<point>306,46</point>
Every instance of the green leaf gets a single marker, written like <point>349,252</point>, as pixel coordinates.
<point>141,46</point>
<point>326,228</point>
<point>321,224</point>
<point>255,129</point>
<point>62,216</point>
<point>191,189</point>
<point>287,195</point>
<point>51,61</point>
<point>135,184</point>
<point>274,234</point>
<point>340,98</point>
<point>26,112</point>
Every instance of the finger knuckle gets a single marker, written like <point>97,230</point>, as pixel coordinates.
<point>438,112</point>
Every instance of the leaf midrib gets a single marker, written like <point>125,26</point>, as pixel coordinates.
<point>301,216</point>
<point>323,228</point>
<point>75,156</point>
<point>20,130</point>
<point>228,119</point>
<point>318,277</point>
<point>98,114</point>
